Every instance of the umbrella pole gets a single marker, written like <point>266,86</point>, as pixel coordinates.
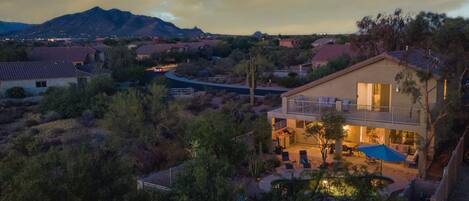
<point>381,171</point>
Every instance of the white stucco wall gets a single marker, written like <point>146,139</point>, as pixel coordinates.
<point>30,85</point>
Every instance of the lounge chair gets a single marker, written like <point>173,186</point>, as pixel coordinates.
<point>304,159</point>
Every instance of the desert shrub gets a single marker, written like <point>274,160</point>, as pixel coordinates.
<point>56,131</point>
<point>5,117</point>
<point>290,81</point>
<point>16,92</point>
<point>272,163</point>
<point>51,116</point>
<point>87,118</point>
<point>9,115</point>
<point>73,100</point>
<point>134,73</point>
<point>272,99</point>
<point>31,122</point>
<point>33,131</point>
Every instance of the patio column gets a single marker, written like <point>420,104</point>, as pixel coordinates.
<point>284,105</point>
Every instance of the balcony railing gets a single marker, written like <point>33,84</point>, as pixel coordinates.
<point>394,114</point>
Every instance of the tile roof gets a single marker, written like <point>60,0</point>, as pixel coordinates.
<point>37,70</point>
<point>323,41</point>
<point>419,58</point>
<point>329,52</point>
<point>415,58</point>
<point>69,54</point>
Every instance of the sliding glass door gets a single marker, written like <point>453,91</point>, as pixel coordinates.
<point>374,97</point>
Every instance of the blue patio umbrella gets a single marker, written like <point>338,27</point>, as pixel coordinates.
<point>381,152</point>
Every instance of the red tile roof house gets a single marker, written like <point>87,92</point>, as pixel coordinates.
<point>326,53</point>
<point>146,51</point>
<point>36,77</point>
<point>323,41</point>
<point>76,55</point>
<point>289,43</point>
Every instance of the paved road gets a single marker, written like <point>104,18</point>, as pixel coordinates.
<point>240,89</point>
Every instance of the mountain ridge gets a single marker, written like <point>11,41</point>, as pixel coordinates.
<point>6,27</point>
<point>98,22</point>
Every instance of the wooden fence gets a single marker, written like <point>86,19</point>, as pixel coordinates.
<point>450,173</point>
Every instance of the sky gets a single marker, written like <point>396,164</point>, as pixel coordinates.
<point>239,16</point>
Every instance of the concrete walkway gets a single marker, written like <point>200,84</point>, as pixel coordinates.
<point>461,192</point>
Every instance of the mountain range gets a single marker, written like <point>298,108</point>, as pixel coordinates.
<point>98,22</point>
<point>6,27</point>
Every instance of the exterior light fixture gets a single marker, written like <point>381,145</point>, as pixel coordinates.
<point>346,127</point>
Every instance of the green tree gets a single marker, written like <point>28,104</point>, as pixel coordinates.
<point>205,178</point>
<point>120,57</point>
<point>327,130</point>
<point>125,116</point>
<point>77,175</point>
<point>156,101</point>
<point>73,100</point>
<point>216,155</point>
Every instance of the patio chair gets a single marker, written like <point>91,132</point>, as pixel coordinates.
<point>323,100</point>
<point>346,105</point>
<point>411,160</point>
<point>288,166</point>
<point>331,101</point>
<point>285,156</point>
<point>347,150</point>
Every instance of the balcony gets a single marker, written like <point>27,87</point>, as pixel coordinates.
<point>352,111</point>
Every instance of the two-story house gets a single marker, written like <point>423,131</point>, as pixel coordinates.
<point>368,96</point>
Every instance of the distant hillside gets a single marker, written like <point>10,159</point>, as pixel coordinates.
<point>98,22</point>
<point>6,27</point>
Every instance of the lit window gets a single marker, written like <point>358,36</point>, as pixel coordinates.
<point>41,84</point>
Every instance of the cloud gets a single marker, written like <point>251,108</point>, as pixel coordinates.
<point>167,16</point>
<point>238,16</point>
<point>462,11</point>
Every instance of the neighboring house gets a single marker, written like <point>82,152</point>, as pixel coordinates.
<point>289,43</point>
<point>326,53</point>
<point>76,55</point>
<point>101,49</point>
<point>94,69</point>
<point>146,51</point>
<point>323,41</point>
<point>37,76</point>
<point>369,98</point>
